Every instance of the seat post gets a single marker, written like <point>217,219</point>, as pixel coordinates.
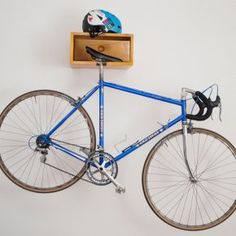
<point>101,70</point>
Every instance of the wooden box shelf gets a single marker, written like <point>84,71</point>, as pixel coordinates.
<point>116,45</point>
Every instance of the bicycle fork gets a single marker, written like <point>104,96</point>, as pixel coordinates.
<point>185,132</point>
<point>185,151</point>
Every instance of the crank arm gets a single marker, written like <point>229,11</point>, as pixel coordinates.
<point>119,188</point>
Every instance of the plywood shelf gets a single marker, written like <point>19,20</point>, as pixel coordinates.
<point>116,45</point>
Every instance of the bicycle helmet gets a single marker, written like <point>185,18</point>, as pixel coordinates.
<point>97,22</point>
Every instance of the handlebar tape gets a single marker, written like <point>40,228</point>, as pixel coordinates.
<point>203,102</point>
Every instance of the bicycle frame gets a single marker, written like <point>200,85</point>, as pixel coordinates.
<point>100,87</point>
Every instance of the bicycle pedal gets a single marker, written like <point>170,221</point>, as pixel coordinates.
<point>120,190</point>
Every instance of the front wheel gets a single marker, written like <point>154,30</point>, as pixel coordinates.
<point>28,163</point>
<point>178,200</point>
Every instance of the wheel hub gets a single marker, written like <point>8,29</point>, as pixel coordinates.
<point>193,180</point>
<point>42,141</point>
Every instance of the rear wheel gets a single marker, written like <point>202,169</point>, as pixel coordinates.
<point>179,200</point>
<point>29,163</point>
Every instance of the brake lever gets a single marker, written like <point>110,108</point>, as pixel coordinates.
<point>216,103</point>
<point>220,111</point>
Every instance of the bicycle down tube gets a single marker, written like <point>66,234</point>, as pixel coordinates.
<point>100,87</point>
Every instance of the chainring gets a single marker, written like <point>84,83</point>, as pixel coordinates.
<point>95,165</point>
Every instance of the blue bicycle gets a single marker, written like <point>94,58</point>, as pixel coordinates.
<point>48,143</point>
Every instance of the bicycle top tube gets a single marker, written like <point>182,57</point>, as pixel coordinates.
<point>143,93</point>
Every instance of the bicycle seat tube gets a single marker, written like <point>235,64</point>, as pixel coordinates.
<point>101,104</point>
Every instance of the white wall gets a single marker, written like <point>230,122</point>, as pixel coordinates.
<point>177,43</point>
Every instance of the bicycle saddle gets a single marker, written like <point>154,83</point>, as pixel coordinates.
<point>98,56</point>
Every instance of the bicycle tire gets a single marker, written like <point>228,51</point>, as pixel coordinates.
<point>170,193</point>
<point>30,115</point>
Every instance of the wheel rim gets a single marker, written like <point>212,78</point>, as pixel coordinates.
<point>30,116</point>
<point>171,194</point>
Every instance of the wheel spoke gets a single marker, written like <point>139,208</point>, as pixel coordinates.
<point>177,199</point>
<point>34,165</point>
